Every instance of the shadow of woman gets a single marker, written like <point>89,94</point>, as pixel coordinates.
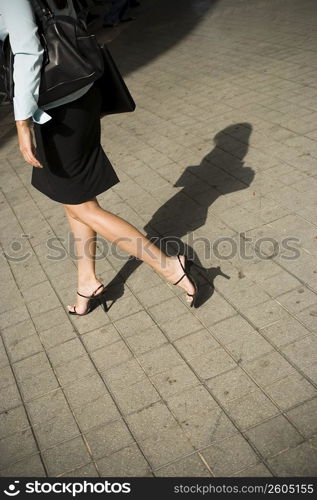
<point>187,210</point>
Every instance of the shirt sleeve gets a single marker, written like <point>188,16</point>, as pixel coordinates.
<point>20,23</point>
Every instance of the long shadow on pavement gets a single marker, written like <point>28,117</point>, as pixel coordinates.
<point>187,210</point>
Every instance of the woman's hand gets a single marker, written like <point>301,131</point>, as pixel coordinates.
<point>26,143</point>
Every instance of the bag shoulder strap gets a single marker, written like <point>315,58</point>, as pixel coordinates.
<point>42,10</point>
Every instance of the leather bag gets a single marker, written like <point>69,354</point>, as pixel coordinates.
<point>116,97</point>
<point>72,57</point>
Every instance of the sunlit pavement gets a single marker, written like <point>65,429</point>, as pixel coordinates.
<point>221,153</point>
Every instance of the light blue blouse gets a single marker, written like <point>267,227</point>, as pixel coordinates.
<point>17,20</point>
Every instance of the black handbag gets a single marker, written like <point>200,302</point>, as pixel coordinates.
<point>72,57</point>
<point>116,97</point>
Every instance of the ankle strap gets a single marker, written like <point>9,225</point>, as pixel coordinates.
<point>179,279</point>
<point>92,295</point>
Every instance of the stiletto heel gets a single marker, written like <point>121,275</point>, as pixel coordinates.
<point>103,304</point>
<point>187,272</point>
<point>92,299</point>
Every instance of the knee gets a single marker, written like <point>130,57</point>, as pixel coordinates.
<point>83,212</point>
<point>73,212</point>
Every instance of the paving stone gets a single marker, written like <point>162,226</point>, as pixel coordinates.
<point>31,466</point>
<point>6,377</point>
<point>84,391</point>
<point>66,456</point>
<point>123,375</point>
<point>212,364</point>
<point>108,439</point>
<point>9,397</point>
<point>232,329</point>
<point>191,401</point>
<point>259,470</point>
<point>74,370</point>
<point>195,344</point>
<point>16,333</point>
<point>160,359</point>
<point>4,360</point>
<point>13,317</point>
<point>68,351</point>
<point>298,299</point>
<point>308,318</point>
<point>284,332</point>
<point>181,326</point>
<point>100,338</point>
<point>311,372</point>
<point>250,409</point>
<point>128,462</point>
<point>16,447</point>
<point>49,319</point>
<point>125,307</point>
<point>111,355</point>
<point>280,283</point>
<point>31,366</point>
<point>205,428</point>
<point>13,420</point>
<point>249,347</point>
<point>49,406</point>
<point>290,391</point>
<point>38,291</point>
<point>229,456</point>
<point>191,466</point>
<point>248,297</point>
<point>303,352</point>
<point>136,396</point>
<point>169,445</point>
<point>268,368</point>
<point>264,314</point>
<point>24,348</point>
<point>43,304</point>
<point>99,412</point>
<point>174,380</point>
<point>300,461</point>
<point>151,421</point>
<point>304,417</point>
<point>135,323</point>
<point>147,340</point>
<point>168,310</point>
<point>38,385</point>
<point>154,295</point>
<point>53,337</point>
<point>88,470</point>
<point>274,436</point>
<point>231,385</point>
<point>55,431</point>
<point>215,310</point>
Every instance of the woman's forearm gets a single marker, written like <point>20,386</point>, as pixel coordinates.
<point>23,123</point>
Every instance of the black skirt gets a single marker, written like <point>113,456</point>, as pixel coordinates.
<point>75,167</point>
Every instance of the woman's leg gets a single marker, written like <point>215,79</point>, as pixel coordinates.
<point>128,238</point>
<point>85,250</point>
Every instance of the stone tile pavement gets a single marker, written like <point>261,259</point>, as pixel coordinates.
<point>220,153</point>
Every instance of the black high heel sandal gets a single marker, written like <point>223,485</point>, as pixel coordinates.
<point>93,298</point>
<point>187,272</point>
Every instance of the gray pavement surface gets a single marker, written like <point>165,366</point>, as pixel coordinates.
<point>221,153</point>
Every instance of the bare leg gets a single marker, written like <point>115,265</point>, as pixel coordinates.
<point>85,249</point>
<point>130,239</point>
